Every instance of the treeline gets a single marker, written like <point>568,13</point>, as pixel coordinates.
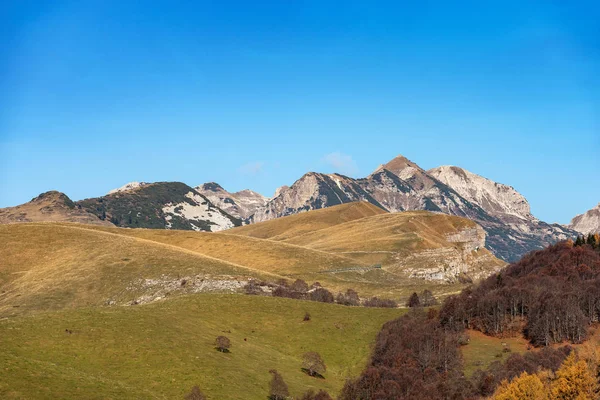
<point>551,295</point>
<point>300,290</point>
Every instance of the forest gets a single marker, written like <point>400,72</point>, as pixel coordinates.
<point>550,296</point>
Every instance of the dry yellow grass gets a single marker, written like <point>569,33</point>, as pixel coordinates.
<point>298,224</point>
<point>57,265</point>
<point>51,266</point>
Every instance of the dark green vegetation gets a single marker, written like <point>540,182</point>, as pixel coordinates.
<point>161,350</point>
<point>143,207</point>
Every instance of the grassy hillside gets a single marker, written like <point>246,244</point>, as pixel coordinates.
<point>52,266</point>
<point>159,350</point>
<point>298,224</point>
<point>388,237</point>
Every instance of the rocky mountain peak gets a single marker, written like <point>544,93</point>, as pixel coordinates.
<point>588,222</point>
<point>495,198</point>
<point>240,204</point>
<point>211,186</point>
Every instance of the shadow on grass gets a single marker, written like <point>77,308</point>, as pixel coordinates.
<point>314,374</point>
<point>220,350</point>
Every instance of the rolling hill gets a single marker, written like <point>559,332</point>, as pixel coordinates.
<point>416,244</point>
<point>49,206</point>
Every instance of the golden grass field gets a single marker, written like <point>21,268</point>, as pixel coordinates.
<point>55,265</point>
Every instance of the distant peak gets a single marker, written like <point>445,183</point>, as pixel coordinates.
<point>398,164</point>
<point>212,186</point>
<point>54,196</point>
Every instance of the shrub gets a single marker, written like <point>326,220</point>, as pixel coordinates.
<point>313,364</point>
<point>377,302</point>
<point>350,298</point>
<point>253,288</point>
<point>306,316</point>
<point>322,295</point>
<point>278,389</point>
<point>195,394</point>
<point>223,344</point>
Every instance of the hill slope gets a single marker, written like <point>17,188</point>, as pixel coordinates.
<point>417,244</point>
<point>160,350</point>
<point>294,225</point>
<point>51,266</point>
<point>49,206</point>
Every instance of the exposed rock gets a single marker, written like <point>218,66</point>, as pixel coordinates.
<point>240,204</point>
<point>128,186</point>
<point>587,223</point>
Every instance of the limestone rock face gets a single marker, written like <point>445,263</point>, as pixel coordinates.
<point>588,222</point>
<point>240,204</point>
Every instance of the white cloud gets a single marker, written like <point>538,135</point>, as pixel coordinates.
<point>252,168</point>
<point>343,163</point>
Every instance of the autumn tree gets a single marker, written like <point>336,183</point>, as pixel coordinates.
<point>278,389</point>
<point>574,381</point>
<point>223,344</point>
<point>195,394</point>
<point>313,364</point>
<point>427,299</point>
<point>523,387</point>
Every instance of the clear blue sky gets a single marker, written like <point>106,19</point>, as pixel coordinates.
<point>251,94</point>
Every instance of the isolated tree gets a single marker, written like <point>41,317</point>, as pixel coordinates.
<point>413,300</point>
<point>278,390</point>
<point>195,394</point>
<point>313,364</point>
<point>523,387</point>
<point>306,316</point>
<point>427,299</point>
<point>573,380</point>
<point>223,344</point>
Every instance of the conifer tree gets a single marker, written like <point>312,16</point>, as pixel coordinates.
<point>523,387</point>
<point>574,380</point>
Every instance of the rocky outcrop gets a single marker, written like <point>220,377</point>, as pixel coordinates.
<point>240,204</point>
<point>587,223</point>
<point>459,263</point>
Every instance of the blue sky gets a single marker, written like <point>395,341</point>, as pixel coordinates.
<point>254,94</point>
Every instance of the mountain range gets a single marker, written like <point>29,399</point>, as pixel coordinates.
<point>399,185</point>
